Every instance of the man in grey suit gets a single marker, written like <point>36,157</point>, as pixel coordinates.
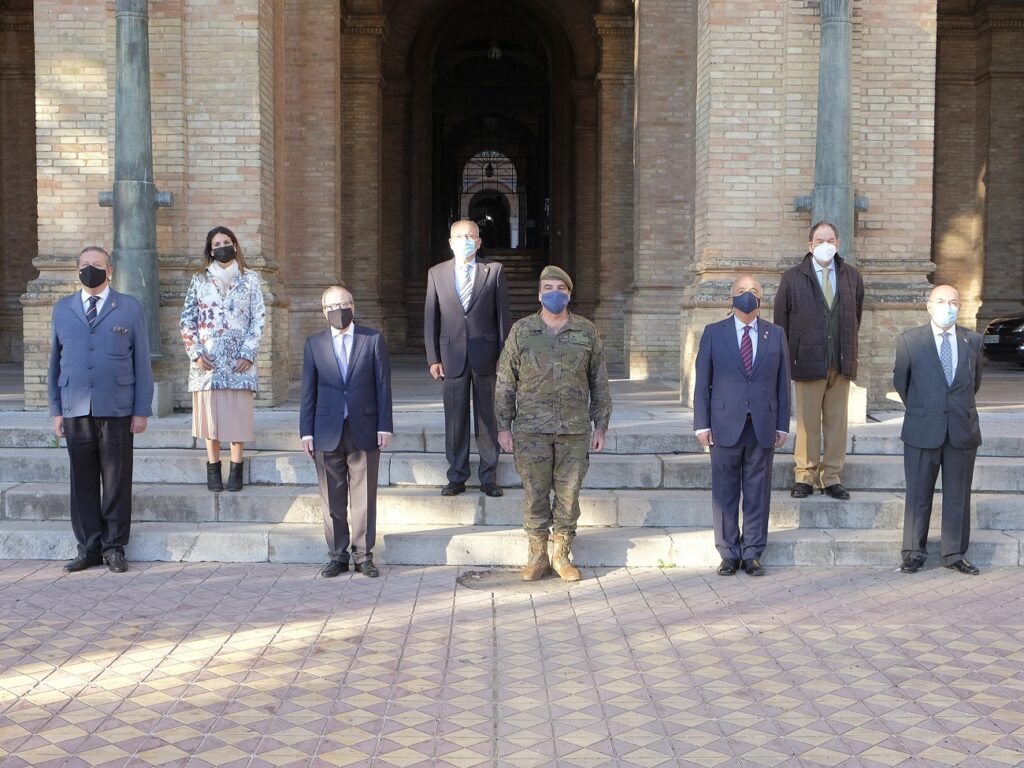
<point>466,318</point>
<point>937,373</point>
<point>741,412</point>
<point>101,395</point>
<point>344,421</point>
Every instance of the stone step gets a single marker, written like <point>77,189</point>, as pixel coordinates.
<point>492,546</point>
<point>420,427</point>
<point>418,506</point>
<point>607,471</point>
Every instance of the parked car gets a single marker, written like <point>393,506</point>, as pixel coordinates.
<point>1004,339</point>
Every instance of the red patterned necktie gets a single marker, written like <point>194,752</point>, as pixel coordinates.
<point>747,350</point>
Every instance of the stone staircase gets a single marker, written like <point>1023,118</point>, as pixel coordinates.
<point>645,502</point>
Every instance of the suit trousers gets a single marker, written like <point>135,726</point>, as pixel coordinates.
<point>348,488</point>
<point>921,466</point>
<point>821,417</point>
<point>458,392</point>
<point>549,463</point>
<point>100,450</point>
<point>745,467</point>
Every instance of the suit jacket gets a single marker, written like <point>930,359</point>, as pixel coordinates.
<point>454,337</point>
<point>104,370</point>
<point>366,392</point>
<point>934,409</point>
<point>725,393</point>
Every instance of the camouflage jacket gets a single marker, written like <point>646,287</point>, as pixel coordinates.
<point>553,384</point>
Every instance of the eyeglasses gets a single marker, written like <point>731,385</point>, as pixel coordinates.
<point>334,307</point>
<point>950,302</point>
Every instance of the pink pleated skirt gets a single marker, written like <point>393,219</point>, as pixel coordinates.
<point>223,414</point>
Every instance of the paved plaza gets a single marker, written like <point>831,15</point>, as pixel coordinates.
<point>268,665</point>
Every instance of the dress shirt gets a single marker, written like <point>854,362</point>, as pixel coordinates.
<point>460,270</point>
<point>937,335</point>
<point>753,334</point>
<point>99,304</point>
<point>831,269</point>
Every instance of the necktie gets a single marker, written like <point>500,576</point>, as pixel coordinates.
<point>466,291</point>
<point>90,313</point>
<point>343,355</point>
<point>826,287</point>
<point>747,350</point>
<point>946,357</point>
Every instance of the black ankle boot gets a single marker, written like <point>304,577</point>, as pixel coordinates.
<point>214,482</point>
<point>235,477</point>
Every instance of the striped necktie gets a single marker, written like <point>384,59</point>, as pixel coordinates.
<point>466,291</point>
<point>90,313</point>
<point>747,350</point>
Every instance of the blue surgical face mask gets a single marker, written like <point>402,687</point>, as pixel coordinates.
<point>943,315</point>
<point>746,302</point>
<point>555,302</point>
<point>463,248</point>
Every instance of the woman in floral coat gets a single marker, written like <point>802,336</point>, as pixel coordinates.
<point>221,325</point>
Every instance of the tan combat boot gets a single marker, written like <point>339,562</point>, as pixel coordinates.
<point>560,559</point>
<point>538,565</point>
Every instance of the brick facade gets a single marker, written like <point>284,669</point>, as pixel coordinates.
<point>680,133</point>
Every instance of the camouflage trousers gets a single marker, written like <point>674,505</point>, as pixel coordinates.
<point>549,463</point>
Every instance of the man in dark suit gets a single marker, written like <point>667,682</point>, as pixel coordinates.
<point>101,395</point>
<point>937,373</point>
<point>465,321</point>
<point>741,412</point>
<point>344,421</point>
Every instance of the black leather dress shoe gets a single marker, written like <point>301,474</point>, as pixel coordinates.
<point>334,568</point>
<point>453,489</point>
<point>836,492</point>
<point>753,568</point>
<point>965,566</point>
<point>801,490</point>
<point>115,562</point>
<point>492,489</point>
<point>82,562</point>
<point>728,567</point>
<point>367,568</point>
<point>912,564</point>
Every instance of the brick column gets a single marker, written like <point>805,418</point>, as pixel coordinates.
<point>664,183</point>
<point>615,186</point>
<point>394,192</point>
<point>585,149</point>
<point>360,162</point>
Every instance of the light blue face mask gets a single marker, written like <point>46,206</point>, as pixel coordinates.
<point>555,302</point>
<point>944,315</point>
<point>463,248</point>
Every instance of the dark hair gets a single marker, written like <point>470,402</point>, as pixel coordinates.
<point>208,250</point>
<point>823,223</point>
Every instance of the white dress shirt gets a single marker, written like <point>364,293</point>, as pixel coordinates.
<point>740,325</point>
<point>99,304</point>
<point>937,336</point>
<point>460,271</point>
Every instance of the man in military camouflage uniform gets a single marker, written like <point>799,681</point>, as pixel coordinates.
<point>552,383</point>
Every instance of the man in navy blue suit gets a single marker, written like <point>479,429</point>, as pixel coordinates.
<point>101,395</point>
<point>741,412</point>
<point>344,421</point>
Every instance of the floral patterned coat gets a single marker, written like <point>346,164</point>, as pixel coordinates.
<point>224,327</point>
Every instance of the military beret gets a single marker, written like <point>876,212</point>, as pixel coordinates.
<point>551,272</point>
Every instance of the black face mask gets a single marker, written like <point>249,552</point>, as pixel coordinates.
<point>340,318</point>
<point>92,277</point>
<point>224,253</point>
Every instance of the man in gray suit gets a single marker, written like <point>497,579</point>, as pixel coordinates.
<point>344,421</point>
<point>466,318</point>
<point>937,373</point>
<point>741,412</point>
<point>101,394</point>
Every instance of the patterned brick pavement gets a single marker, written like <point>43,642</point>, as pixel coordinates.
<point>267,665</point>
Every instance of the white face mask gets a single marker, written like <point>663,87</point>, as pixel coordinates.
<point>824,253</point>
<point>463,248</point>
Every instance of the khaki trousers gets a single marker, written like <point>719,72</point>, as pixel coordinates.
<point>821,417</point>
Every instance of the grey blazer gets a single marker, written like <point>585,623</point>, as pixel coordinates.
<point>933,408</point>
<point>104,370</point>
